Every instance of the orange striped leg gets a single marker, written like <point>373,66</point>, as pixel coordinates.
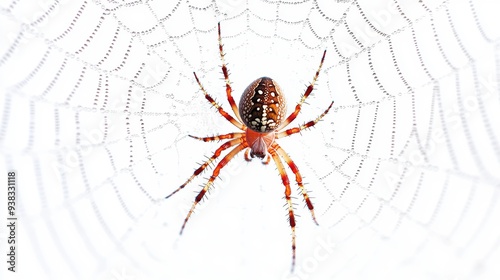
<point>215,174</point>
<point>219,137</point>
<point>298,178</point>
<point>294,130</point>
<point>219,108</point>
<point>288,192</point>
<point>229,90</point>
<point>306,94</point>
<point>200,169</point>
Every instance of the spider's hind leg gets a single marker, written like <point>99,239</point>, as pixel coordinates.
<point>225,71</point>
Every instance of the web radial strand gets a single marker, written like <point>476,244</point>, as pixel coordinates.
<point>98,100</point>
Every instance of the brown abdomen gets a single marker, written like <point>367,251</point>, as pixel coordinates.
<point>262,105</point>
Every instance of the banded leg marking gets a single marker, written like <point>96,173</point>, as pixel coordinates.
<point>219,108</point>
<point>294,130</point>
<point>308,91</point>
<point>214,175</point>
<point>288,192</point>
<point>200,169</point>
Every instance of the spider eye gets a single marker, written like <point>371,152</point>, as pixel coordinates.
<point>262,105</point>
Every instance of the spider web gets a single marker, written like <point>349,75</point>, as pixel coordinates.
<point>98,99</point>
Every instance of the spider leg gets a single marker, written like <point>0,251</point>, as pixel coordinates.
<point>219,108</point>
<point>298,178</point>
<point>229,90</point>
<point>200,169</point>
<point>214,175</point>
<point>219,137</point>
<point>294,130</point>
<point>308,91</point>
<point>288,192</point>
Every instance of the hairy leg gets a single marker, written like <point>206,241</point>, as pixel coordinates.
<point>294,130</point>
<point>298,178</point>
<point>308,91</point>
<point>200,169</point>
<point>229,90</point>
<point>219,108</point>
<point>215,174</point>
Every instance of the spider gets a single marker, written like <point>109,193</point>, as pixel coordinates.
<point>261,119</point>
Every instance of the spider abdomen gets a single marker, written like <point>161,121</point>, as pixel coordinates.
<point>262,105</point>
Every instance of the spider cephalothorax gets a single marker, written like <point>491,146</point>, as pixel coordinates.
<point>260,118</point>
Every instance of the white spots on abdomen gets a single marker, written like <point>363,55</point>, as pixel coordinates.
<point>262,105</point>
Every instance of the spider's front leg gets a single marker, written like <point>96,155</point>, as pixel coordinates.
<point>225,71</point>
<point>298,178</point>
<point>308,91</point>
<point>218,107</point>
